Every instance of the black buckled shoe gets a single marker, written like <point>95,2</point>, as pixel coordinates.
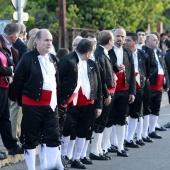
<point>131,144</point>
<point>147,139</point>
<point>78,164</point>
<point>154,135</point>
<point>140,142</point>
<point>112,149</point>
<point>167,125</point>
<point>105,154</point>
<point>14,151</point>
<point>86,160</point>
<point>2,155</point>
<point>96,157</point>
<point>122,153</point>
<point>160,129</point>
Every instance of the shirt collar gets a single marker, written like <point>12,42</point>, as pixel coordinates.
<point>117,48</point>
<point>46,56</point>
<point>105,50</point>
<point>6,42</point>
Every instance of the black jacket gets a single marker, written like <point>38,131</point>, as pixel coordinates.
<point>68,72</point>
<point>21,47</point>
<point>154,78</point>
<point>129,72</point>
<point>143,66</point>
<point>105,67</point>
<point>28,79</point>
<point>167,61</point>
<point>152,61</point>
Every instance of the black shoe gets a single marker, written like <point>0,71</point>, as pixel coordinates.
<point>167,125</point>
<point>140,142</point>
<point>154,135</point>
<point>86,160</point>
<point>64,161</point>
<point>160,129</point>
<point>126,149</point>
<point>96,157</point>
<point>105,154</point>
<point>14,151</point>
<point>122,153</point>
<point>3,155</point>
<point>77,164</point>
<point>68,161</point>
<point>113,149</point>
<point>147,139</point>
<point>131,144</point>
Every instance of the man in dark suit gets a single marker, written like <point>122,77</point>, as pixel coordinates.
<point>81,91</point>
<point>157,81</point>
<point>37,85</point>
<point>8,57</point>
<point>101,134</point>
<point>123,65</point>
<point>15,110</point>
<point>141,71</point>
<point>146,95</point>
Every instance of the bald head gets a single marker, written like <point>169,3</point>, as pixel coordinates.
<point>75,42</point>
<point>152,41</point>
<point>33,32</point>
<point>119,35</point>
<point>43,40</point>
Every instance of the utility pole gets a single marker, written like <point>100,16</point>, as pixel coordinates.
<point>62,23</point>
<point>20,12</point>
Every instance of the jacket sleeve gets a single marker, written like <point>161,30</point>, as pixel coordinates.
<point>132,85</point>
<point>101,64</point>
<point>5,71</point>
<point>19,79</point>
<point>99,100</point>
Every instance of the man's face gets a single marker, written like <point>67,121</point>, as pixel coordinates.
<point>94,40</point>
<point>14,37</point>
<point>119,36</point>
<point>44,44</point>
<point>141,37</point>
<point>129,43</point>
<point>153,41</point>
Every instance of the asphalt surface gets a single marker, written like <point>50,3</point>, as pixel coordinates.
<point>152,156</point>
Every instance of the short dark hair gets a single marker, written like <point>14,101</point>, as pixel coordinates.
<point>132,35</point>
<point>62,52</point>
<point>140,30</point>
<point>163,34</point>
<point>84,33</point>
<point>167,43</point>
<point>85,45</point>
<point>38,35</point>
<point>104,37</point>
<point>11,28</point>
<point>90,35</point>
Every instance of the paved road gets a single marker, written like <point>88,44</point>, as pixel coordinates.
<point>152,156</point>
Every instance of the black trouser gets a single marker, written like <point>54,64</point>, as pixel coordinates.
<point>169,96</point>
<point>136,106</point>
<point>62,118</point>
<point>79,118</point>
<point>120,107</point>
<point>102,121</point>
<point>39,121</point>
<point>5,123</point>
<point>155,103</point>
<point>146,98</point>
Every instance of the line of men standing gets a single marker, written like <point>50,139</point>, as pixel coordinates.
<point>102,88</point>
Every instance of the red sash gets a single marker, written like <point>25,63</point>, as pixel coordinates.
<point>121,82</point>
<point>159,84</point>
<point>44,100</point>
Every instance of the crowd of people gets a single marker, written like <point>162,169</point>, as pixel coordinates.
<point>105,94</point>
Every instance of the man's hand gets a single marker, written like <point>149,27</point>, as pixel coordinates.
<point>131,98</point>
<point>107,101</point>
<point>121,67</point>
<point>167,89</point>
<point>98,112</point>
